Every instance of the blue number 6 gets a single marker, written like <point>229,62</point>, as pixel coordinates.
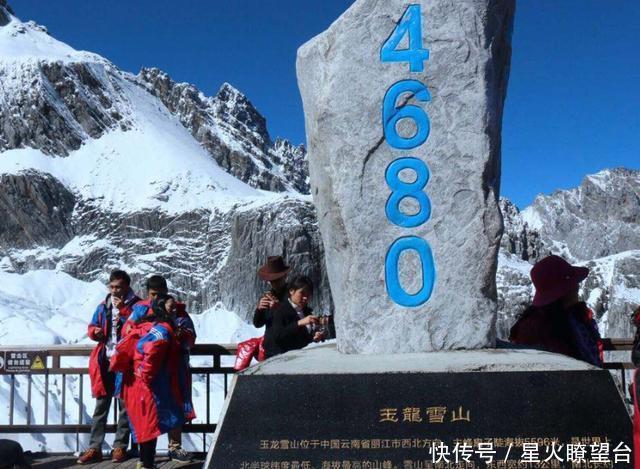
<point>391,114</point>
<point>392,275</point>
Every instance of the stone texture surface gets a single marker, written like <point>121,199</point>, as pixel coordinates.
<point>343,82</point>
<point>325,359</point>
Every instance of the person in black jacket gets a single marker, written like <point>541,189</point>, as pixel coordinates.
<point>292,324</point>
<point>275,272</point>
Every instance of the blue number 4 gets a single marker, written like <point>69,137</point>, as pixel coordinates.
<point>411,25</point>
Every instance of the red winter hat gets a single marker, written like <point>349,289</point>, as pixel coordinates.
<point>554,278</point>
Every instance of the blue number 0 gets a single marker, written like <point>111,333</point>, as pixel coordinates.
<point>401,190</point>
<point>392,274</point>
<point>391,114</point>
<point>411,24</point>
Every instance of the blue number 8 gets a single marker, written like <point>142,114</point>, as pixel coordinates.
<point>392,277</point>
<point>401,190</point>
<point>391,114</point>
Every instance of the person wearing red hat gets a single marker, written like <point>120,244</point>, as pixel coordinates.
<point>557,321</point>
<point>275,272</point>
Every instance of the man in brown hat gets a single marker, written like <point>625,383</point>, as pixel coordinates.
<point>275,272</point>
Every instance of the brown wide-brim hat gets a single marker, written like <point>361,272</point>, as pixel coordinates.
<point>554,278</point>
<point>273,269</point>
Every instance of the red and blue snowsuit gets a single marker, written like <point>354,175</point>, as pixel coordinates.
<point>101,385</point>
<point>186,340</point>
<point>151,392</point>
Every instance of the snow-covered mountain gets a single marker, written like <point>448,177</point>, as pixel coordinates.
<point>101,168</point>
<point>596,225</point>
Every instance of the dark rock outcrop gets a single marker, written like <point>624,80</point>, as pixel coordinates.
<point>518,238</point>
<point>35,209</point>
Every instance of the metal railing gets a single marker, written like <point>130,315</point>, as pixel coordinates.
<point>55,356</point>
<point>619,345</point>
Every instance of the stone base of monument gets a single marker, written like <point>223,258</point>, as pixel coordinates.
<point>317,408</point>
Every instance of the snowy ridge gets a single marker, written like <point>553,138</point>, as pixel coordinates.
<point>232,130</point>
<point>29,41</point>
<point>598,218</point>
<point>103,169</point>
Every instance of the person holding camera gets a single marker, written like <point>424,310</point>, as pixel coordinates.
<point>275,272</point>
<point>293,326</point>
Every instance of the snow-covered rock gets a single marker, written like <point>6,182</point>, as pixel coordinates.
<point>232,130</point>
<point>598,218</point>
<point>343,82</point>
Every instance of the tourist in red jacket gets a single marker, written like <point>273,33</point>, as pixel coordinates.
<point>185,334</point>
<point>149,357</point>
<point>557,321</point>
<point>105,328</point>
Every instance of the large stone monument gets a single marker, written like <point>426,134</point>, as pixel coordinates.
<point>403,106</point>
<point>391,80</point>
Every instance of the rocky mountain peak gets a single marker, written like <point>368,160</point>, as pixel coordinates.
<point>518,237</point>
<point>233,105</point>
<point>599,218</point>
<point>232,130</point>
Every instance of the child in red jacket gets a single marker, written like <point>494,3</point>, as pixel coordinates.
<point>149,357</point>
<point>184,332</point>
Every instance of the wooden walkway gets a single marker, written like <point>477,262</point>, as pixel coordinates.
<point>67,461</point>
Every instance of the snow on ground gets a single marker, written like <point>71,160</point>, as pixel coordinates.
<point>48,307</point>
<point>45,307</point>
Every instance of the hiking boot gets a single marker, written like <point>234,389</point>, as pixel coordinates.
<point>92,455</point>
<point>119,455</point>
<point>179,454</point>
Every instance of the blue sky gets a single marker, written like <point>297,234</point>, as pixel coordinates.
<point>573,104</point>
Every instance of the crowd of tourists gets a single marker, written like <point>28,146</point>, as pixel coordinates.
<point>142,354</point>
<point>142,359</point>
